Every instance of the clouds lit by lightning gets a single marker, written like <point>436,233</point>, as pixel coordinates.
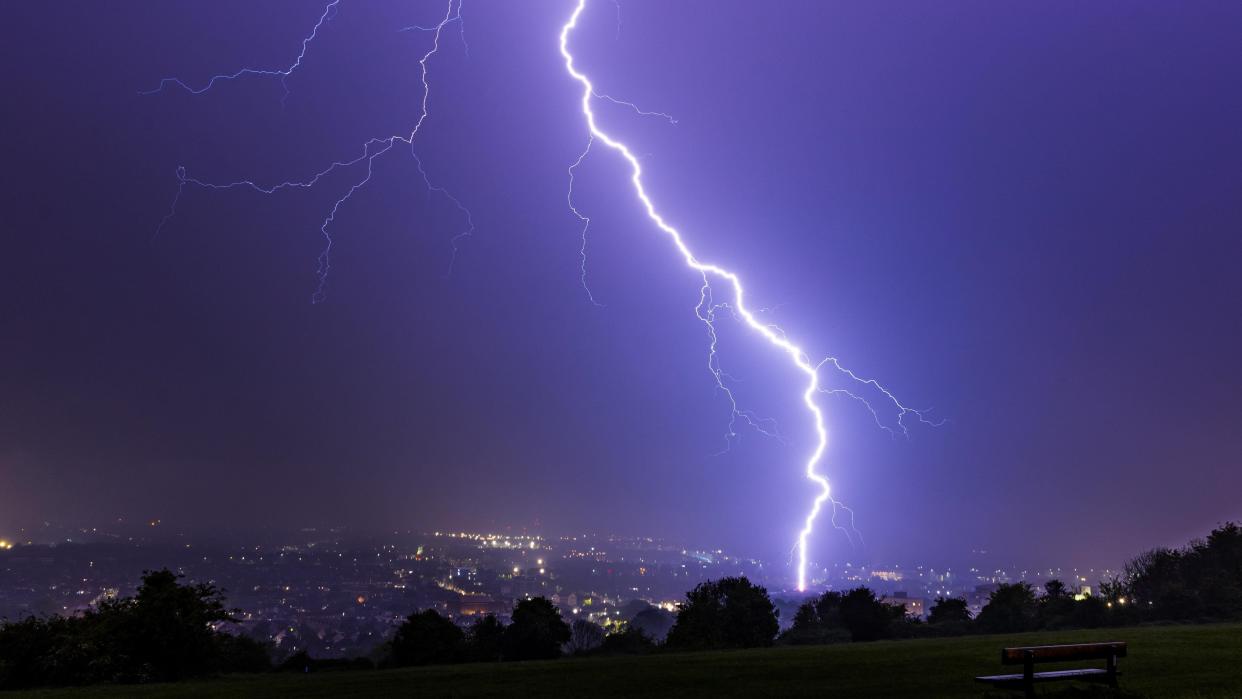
<point>364,161</point>
<point>736,303</point>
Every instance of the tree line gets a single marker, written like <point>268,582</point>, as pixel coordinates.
<point>165,632</point>
<point>1201,582</point>
<point>170,631</point>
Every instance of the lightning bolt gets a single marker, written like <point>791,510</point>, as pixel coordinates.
<point>732,301</point>
<point>371,149</point>
<point>707,309</point>
<point>283,73</point>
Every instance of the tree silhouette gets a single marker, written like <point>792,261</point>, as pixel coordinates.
<point>537,631</point>
<point>1056,607</point>
<point>42,651</point>
<point>948,610</point>
<point>818,620</point>
<point>725,613</point>
<point>806,626</point>
<point>484,638</point>
<point>427,638</point>
<point>866,617</point>
<point>1011,607</point>
<point>584,636</point>
<point>1090,612</point>
<point>164,633</point>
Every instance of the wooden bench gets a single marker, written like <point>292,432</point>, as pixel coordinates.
<point>1028,656</point>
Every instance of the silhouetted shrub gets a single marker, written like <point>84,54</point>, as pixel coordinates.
<point>631,641</point>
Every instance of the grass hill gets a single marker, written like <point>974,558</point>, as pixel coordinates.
<point>1165,662</point>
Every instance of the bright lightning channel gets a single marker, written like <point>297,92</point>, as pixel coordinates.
<point>371,150</point>
<point>707,308</point>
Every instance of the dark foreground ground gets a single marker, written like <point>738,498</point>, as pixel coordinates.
<point>1165,661</point>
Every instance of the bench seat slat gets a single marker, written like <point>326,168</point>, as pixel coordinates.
<point>1045,676</point>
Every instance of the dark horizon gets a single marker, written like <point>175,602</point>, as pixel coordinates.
<point>1024,218</point>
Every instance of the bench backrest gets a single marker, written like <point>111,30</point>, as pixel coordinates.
<point>1054,654</point>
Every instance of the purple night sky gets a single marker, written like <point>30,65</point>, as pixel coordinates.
<point>1024,216</point>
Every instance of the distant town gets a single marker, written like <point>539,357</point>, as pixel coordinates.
<point>334,594</point>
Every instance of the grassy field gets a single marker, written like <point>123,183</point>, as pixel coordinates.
<point>1169,661</point>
